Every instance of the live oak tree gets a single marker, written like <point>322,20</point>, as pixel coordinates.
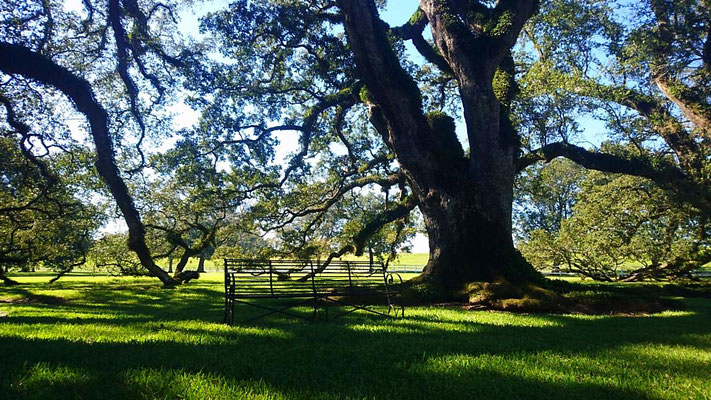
<point>111,62</point>
<point>642,68</point>
<point>369,116</point>
<point>181,226</point>
<point>44,218</point>
<point>465,199</point>
<point>186,205</point>
<point>322,68</point>
<point>623,228</point>
<point>606,227</point>
<point>294,66</point>
<point>114,61</point>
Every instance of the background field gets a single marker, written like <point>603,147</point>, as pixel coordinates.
<point>101,337</point>
<point>410,260</point>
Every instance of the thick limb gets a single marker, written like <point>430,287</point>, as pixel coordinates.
<point>16,59</point>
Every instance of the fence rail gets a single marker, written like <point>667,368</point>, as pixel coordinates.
<point>406,269</point>
<point>621,274</point>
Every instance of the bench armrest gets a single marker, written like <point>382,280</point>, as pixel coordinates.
<point>394,279</point>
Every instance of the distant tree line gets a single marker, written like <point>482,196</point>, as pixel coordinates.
<point>607,227</point>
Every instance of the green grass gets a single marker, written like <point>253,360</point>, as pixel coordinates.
<point>90,337</point>
<point>412,259</point>
<point>210,265</point>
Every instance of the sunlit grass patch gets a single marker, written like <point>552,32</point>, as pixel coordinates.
<point>44,379</point>
<point>174,384</point>
<point>129,338</point>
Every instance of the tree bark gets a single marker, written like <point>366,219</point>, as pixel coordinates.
<point>466,201</point>
<point>187,253</point>
<point>201,264</point>
<point>467,241</point>
<point>16,59</point>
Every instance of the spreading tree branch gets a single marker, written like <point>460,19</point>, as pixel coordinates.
<point>17,59</point>
<point>311,116</point>
<point>373,226</point>
<point>664,174</point>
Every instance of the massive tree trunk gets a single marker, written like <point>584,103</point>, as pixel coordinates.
<point>467,212</point>
<point>16,59</point>
<point>466,201</point>
<point>468,240</point>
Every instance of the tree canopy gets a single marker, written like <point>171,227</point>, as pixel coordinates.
<point>111,61</point>
<point>608,227</point>
<point>375,109</point>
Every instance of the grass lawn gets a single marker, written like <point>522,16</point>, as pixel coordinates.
<point>92,337</point>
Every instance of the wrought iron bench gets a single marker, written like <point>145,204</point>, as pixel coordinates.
<point>305,281</point>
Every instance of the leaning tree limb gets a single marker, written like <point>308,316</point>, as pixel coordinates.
<point>692,102</point>
<point>666,175</point>
<point>20,60</point>
<point>683,141</point>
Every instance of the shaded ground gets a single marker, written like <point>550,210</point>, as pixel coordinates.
<point>130,339</point>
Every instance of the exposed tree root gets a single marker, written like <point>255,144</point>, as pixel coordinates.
<point>187,276</point>
<point>548,297</point>
<point>6,279</point>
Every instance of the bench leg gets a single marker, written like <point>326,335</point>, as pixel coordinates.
<point>229,317</point>
<point>320,303</point>
<point>271,310</point>
<point>395,309</point>
<point>355,307</point>
<point>224,318</point>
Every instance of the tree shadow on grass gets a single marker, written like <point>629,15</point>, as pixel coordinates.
<point>287,366</point>
<point>425,355</point>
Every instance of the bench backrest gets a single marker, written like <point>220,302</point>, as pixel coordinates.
<point>351,277</point>
<point>302,277</point>
<point>268,277</point>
